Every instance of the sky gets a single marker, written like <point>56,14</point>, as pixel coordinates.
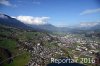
<point>56,12</point>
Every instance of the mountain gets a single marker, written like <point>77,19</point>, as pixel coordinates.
<point>87,26</point>
<point>13,22</point>
<point>45,27</point>
<point>9,21</point>
<point>96,27</point>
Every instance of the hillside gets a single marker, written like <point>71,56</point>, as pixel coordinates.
<point>23,46</point>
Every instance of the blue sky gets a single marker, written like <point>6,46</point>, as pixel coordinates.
<point>59,12</point>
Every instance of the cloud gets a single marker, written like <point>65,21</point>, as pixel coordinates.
<point>33,20</point>
<point>5,2</point>
<point>90,11</point>
<point>36,2</point>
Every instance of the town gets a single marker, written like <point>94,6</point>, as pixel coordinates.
<point>41,47</point>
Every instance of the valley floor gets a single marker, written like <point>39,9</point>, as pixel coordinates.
<point>31,48</point>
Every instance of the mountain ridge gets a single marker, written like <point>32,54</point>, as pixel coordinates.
<point>13,22</point>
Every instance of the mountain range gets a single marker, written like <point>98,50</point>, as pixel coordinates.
<point>89,25</point>
<point>13,22</point>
